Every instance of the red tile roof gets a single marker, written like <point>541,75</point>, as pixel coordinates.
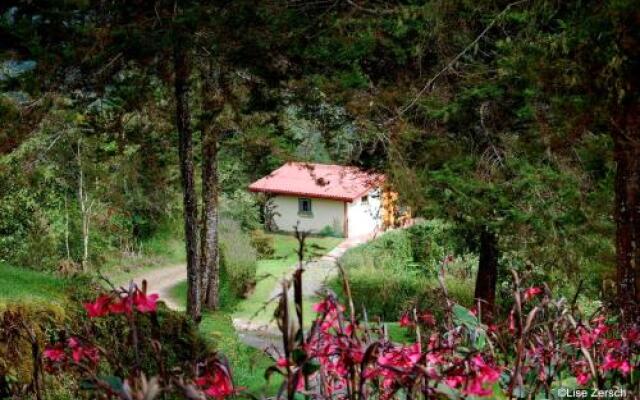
<point>335,182</point>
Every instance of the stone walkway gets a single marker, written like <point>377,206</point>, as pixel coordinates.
<point>316,275</point>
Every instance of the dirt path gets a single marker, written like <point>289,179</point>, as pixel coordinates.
<point>258,335</point>
<point>162,280</point>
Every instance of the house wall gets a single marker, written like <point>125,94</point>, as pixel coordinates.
<point>325,212</point>
<point>365,218</point>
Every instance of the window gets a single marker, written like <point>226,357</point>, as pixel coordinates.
<point>365,200</point>
<point>304,207</point>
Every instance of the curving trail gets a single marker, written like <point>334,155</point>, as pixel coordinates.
<point>259,335</point>
<point>162,280</point>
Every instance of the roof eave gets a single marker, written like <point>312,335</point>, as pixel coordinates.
<point>310,195</point>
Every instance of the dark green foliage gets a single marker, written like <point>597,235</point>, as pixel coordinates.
<point>492,116</point>
<point>399,270</point>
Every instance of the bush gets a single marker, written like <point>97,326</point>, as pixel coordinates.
<point>238,259</point>
<point>329,231</point>
<point>24,328</point>
<point>264,244</point>
<point>399,269</point>
<point>432,240</point>
<point>119,340</point>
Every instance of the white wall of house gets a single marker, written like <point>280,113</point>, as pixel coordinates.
<point>324,212</point>
<point>365,217</point>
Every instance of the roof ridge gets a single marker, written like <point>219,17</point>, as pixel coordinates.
<point>324,165</point>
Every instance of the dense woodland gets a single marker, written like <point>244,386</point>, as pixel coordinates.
<point>510,129</point>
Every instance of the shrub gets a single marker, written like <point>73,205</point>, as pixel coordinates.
<point>399,269</point>
<point>238,258</point>
<point>126,339</point>
<point>432,240</point>
<point>263,244</point>
<point>241,206</point>
<point>24,330</point>
<point>329,231</point>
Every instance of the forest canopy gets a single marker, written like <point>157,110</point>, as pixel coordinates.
<point>509,129</point>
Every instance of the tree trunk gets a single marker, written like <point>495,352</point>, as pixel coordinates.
<point>66,228</point>
<point>85,209</point>
<point>213,97</point>
<point>210,249</point>
<point>485,293</point>
<point>190,202</point>
<point>627,207</point>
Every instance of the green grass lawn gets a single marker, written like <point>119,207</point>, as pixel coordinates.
<point>24,285</point>
<point>247,364</point>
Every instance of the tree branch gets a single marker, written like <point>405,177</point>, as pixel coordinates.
<point>430,82</point>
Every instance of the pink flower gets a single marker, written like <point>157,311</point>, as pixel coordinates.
<point>282,362</point>
<point>100,307</point>
<point>73,342</point>
<point>122,306</point>
<point>89,354</point>
<point>581,372</point>
<point>454,381</point>
<point>532,292</point>
<point>54,354</point>
<point>401,357</point>
<point>612,362</point>
<point>348,329</point>
<point>475,387</point>
<point>145,303</point>
<point>583,378</point>
<point>625,367</point>
<point>405,320</point>
<point>428,319</point>
<point>327,306</point>
<point>216,384</point>
<point>434,358</point>
<point>485,371</point>
<point>81,353</point>
<point>587,339</point>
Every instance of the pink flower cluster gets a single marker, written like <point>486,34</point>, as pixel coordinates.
<point>583,348</point>
<point>123,303</point>
<point>424,317</point>
<point>216,382</point>
<point>72,351</point>
<point>615,353</point>
<point>345,354</point>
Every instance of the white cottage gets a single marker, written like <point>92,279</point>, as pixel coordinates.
<point>317,197</point>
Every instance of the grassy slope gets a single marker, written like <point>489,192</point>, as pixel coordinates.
<point>21,284</point>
